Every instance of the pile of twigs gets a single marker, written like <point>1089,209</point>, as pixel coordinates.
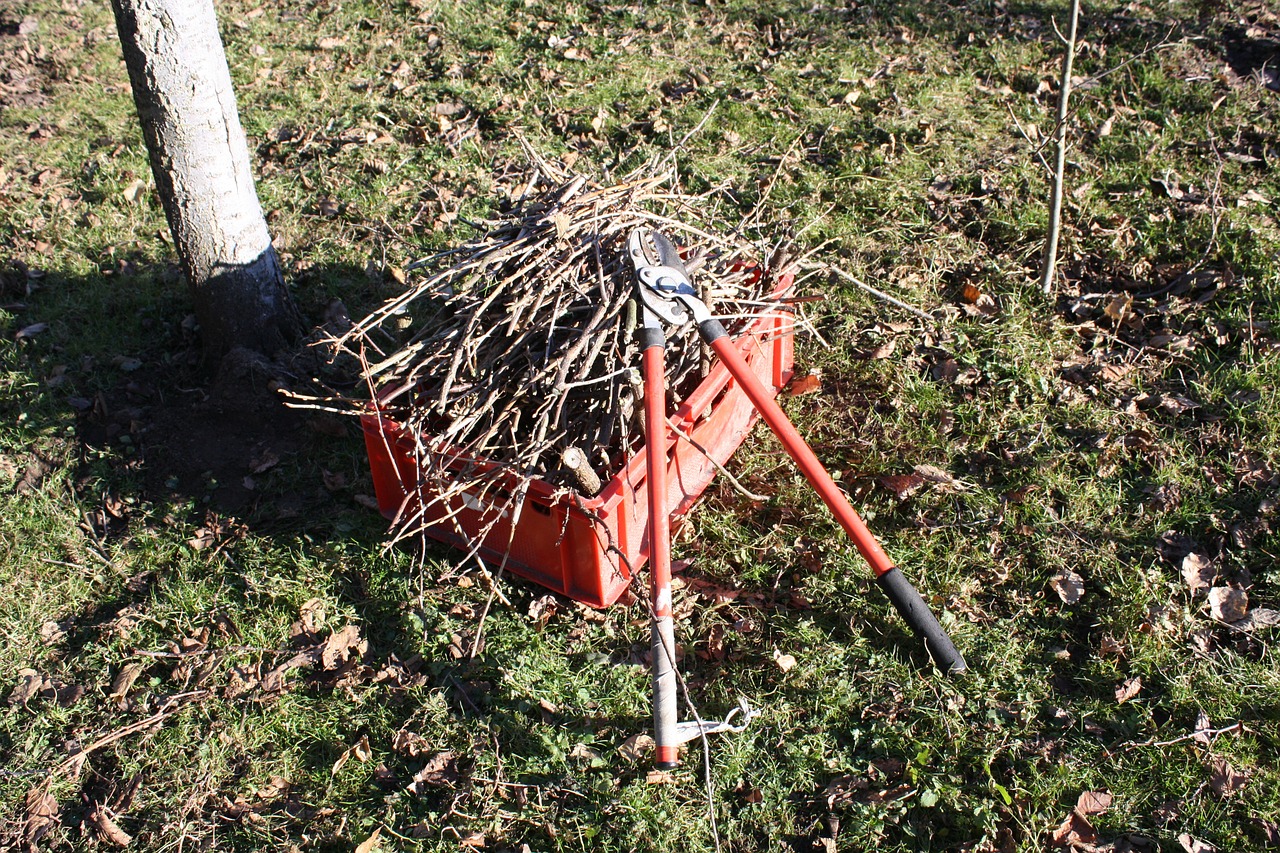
<point>521,349</point>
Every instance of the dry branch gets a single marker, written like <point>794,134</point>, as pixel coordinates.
<point>516,347</point>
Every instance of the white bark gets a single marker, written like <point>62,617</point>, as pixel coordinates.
<point>200,160</point>
<point>1059,173</point>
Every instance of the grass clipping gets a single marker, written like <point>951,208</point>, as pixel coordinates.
<point>514,355</point>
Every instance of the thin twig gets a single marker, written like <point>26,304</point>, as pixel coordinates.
<point>724,472</point>
<point>1037,149</point>
<point>679,146</point>
<point>171,707</point>
<point>879,294</point>
<point>1204,734</point>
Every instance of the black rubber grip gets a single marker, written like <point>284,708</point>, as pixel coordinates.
<point>917,614</point>
<point>648,336</point>
<point>711,330</point>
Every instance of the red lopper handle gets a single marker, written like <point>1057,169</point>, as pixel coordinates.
<point>905,599</point>
<point>800,452</point>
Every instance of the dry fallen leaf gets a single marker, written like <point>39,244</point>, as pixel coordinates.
<point>844,788</point>
<point>543,609</point>
<point>360,751</point>
<point>1110,646</point>
<point>1259,617</point>
<point>660,777</point>
<point>30,683</point>
<point>1198,571</point>
<point>1270,831</point>
<point>1119,307</point>
<point>1176,405</point>
<point>67,694</point>
<point>409,743</point>
<point>983,305</point>
<point>884,350</point>
<point>807,384</point>
<point>1075,830</point>
<point>440,771</point>
<point>714,648</point>
<point>903,486</point>
<point>203,539</point>
<point>718,593</point>
<point>1068,585</point>
<point>936,475</point>
<point>273,680</point>
<point>41,814</point>
<point>311,616</point>
<point>636,747</point>
<point>52,631</point>
<point>124,680</point>
<point>1225,779</point>
<point>563,224</point>
<point>340,646</point>
<point>263,460</point>
<point>1192,844</point>
<point>1114,372</point>
<point>136,191</point>
<point>784,662</point>
<point>373,842</point>
<point>946,370</point>
<point>1203,727</point>
<point>276,787</point>
<point>1020,494</point>
<point>30,331</point>
<point>34,476</point>
<point>107,828</point>
<point>1128,689</point>
<point>1093,802</point>
<point>1228,604</point>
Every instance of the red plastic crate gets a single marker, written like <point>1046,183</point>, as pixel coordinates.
<point>588,548</point>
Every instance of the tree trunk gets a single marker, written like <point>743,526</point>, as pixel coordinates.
<point>200,160</point>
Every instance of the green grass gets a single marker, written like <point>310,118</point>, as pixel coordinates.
<point>922,183</point>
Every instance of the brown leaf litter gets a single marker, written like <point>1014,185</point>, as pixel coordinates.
<point>1068,585</point>
<point>32,685</point>
<point>1076,830</point>
<point>439,771</point>
<point>1128,689</point>
<point>1225,779</point>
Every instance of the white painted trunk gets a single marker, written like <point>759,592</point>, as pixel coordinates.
<point>200,159</point>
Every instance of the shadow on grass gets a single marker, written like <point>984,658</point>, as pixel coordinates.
<point>963,23</point>
<point>159,445</point>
